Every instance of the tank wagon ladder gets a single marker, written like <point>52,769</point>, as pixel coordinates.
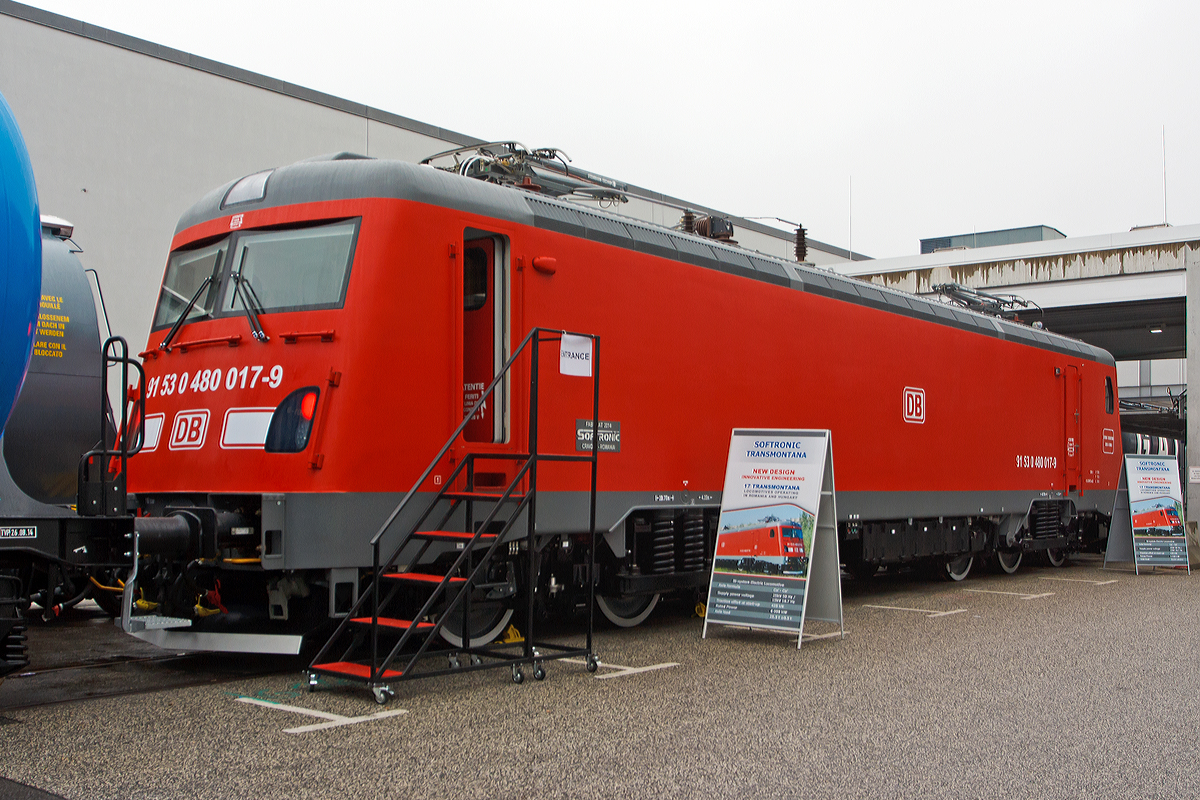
<point>360,637</point>
<point>73,548</point>
<point>102,470</point>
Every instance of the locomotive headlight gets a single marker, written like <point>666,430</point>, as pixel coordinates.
<point>292,422</point>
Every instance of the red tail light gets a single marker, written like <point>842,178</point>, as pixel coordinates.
<point>292,422</point>
<point>308,405</point>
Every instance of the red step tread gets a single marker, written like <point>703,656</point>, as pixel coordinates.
<point>389,622</point>
<point>451,535</point>
<point>420,576</point>
<point>354,670</point>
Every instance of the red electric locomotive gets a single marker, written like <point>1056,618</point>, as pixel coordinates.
<point>322,327</point>
<point>1159,521</point>
<point>773,550</point>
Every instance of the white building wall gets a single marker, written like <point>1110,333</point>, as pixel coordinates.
<point>123,142</point>
<point>1153,378</point>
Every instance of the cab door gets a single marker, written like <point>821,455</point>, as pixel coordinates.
<point>1073,427</point>
<point>483,338</point>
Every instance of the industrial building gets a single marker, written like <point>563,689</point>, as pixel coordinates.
<point>125,135</point>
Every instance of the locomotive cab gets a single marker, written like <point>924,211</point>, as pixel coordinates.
<point>301,364</point>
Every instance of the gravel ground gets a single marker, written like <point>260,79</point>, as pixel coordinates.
<point>1086,692</point>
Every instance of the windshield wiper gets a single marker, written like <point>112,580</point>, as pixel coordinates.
<point>250,301</point>
<point>166,343</point>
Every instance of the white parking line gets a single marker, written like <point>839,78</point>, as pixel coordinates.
<point>1011,594</point>
<point>334,720</point>
<point>621,671</point>
<point>926,611</point>
<point>1077,580</point>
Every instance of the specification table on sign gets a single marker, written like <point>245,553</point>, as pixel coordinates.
<point>1151,550</point>
<point>760,600</point>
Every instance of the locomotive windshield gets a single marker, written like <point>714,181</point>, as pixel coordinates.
<point>278,270</point>
<point>292,269</point>
<point>186,273</point>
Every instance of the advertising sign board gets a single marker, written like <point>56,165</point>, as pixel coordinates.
<point>776,553</point>
<point>1156,511</point>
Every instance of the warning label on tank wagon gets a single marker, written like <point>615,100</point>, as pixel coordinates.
<point>51,333</point>
<point>609,440</point>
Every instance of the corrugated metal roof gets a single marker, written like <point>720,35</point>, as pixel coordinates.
<point>1027,250</point>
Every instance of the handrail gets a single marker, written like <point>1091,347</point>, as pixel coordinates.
<point>376,571</point>
<point>470,580</point>
<point>232,340</point>
<point>454,437</point>
<point>294,336</point>
<point>529,337</point>
<point>373,594</point>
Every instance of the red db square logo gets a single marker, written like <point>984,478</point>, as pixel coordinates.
<point>188,430</point>
<point>914,405</point>
<point>1109,441</point>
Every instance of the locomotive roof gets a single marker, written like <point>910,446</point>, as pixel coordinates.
<point>344,176</point>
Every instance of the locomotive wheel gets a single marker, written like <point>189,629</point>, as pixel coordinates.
<point>627,611</point>
<point>959,568</point>
<point>1056,557</point>
<point>488,621</point>
<point>1009,560</point>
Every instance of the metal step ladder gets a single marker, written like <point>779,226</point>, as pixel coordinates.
<point>481,528</point>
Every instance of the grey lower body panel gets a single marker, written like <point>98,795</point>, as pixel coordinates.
<point>333,530</point>
<point>905,505</point>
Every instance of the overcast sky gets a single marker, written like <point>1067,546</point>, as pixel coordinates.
<point>944,117</point>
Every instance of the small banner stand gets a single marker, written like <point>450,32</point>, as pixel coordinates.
<point>1120,533</point>
<point>776,561</point>
<point>1155,513</point>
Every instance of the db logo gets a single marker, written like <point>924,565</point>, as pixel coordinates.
<point>1109,440</point>
<point>188,430</point>
<point>914,405</point>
